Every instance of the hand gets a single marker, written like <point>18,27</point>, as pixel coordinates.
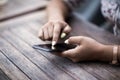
<point>87,49</point>
<point>53,29</point>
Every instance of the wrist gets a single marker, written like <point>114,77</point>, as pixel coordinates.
<point>106,53</point>
<point>56,18</point>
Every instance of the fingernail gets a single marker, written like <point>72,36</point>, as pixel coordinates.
<point>53,43</point>
<point>53,47</point>
<point>66,41</point>
<point>63,35</point>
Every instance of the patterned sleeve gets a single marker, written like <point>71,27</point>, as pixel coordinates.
<point>110,9</point>
<point>72,4</point>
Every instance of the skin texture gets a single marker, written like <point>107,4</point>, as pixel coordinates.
<point>53,29</point>
<point>87,48</point>
<point>56,24</point>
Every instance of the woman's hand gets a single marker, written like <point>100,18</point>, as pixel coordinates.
<point>53,29</point>
<point>87,50</point>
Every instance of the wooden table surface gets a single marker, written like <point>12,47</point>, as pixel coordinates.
<point>19,61</point>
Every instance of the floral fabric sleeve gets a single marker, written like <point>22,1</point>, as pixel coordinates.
<point>111,10</point>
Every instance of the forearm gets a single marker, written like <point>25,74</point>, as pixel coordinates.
<point>57,10</point>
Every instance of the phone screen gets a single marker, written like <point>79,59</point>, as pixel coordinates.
<point>58,47</point>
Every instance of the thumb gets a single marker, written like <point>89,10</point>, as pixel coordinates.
<point>68,53</point>
<point>65,31</point>
<point>74,40</point>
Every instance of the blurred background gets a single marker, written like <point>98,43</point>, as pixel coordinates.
<point>89,10</point>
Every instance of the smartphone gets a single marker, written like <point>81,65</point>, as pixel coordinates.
<point>59,47</point>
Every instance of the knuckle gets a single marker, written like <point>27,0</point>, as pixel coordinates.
<point>49,24</point>
<point>61,23</point>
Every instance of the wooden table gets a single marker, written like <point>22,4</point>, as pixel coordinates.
<point>19,61</point>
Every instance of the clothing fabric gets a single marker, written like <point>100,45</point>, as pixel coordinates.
<point>109,8</point>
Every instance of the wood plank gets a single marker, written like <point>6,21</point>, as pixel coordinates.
<point>22,62</point>
<point>17,7</point>
<point>34,27</point>
<point>3,76</point>
<point>64,64</point>
<point>95,69</point>
<point>85,29</point>
<point>90,67</point>
<point>37,16</point>
<point>43,63</point>
<point>10,69</point>
<point>101,71</point>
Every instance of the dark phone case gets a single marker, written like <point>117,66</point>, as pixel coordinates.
<point>58,47</point>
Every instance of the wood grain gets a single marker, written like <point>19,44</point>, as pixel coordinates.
<point>15,8</point>
<point>95,69</point>
<point>10,69</point>
<point>39,17</point>
<point>20,34</point>
<point>3,76</point>
<point>39,60</point>
<point>22,62</point>
<point>63,63</point>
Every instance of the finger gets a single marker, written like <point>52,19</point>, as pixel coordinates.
<point>68,53</point>
<point>74,40</point>
<point>50,30</point>
<point>41,34</point>
<point>46,34</point>
<point>56,32</point>
<point>67,29</point>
